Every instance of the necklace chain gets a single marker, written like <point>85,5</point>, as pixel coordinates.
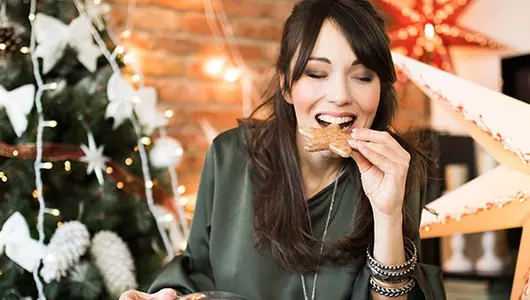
<point>324,234</point>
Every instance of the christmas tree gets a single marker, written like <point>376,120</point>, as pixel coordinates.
<point>87,182</point>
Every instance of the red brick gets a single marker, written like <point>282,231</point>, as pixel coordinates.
<point>198,24</point>
<point>127,1</point>
<point>192,162</point>
<point>278,10</point>
<point>227,93</point>
<point>161,65</point>
<point>259,30</point>
<point>179,91</point>
<point>195,69</point>
<point>192,141</point>
<point>185,5</point>
<point>246,8</point>
<point>180,116</point>
<point>220,119</point>
<point>155,18</point>
<point>190,181</point>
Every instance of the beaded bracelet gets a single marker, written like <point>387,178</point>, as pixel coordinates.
<point>413,256</point>
<point>392,291</point>
<point>391,277</point>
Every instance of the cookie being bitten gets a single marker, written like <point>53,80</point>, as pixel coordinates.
<point>331,138</point>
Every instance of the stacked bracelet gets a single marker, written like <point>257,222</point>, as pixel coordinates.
<point>382,274</point>
<point>392,291</point>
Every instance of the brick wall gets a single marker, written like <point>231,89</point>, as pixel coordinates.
<point>172,40</point>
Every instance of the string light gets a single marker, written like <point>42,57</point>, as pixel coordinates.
<point>168,113</point>
<point>35,194</point>
<point>47,165</point>
<point>4,178</point>
<point>183,201</point>
<point>181,189</point>
<point>214,66</point>
<point>179,152</point>
<point>109,170</point>
<point>149,184</point>
<point>126,34</point>
<point>51,124</point>
<point>15,153</point>
<point>119,185</point>
<point>59,224</point>
<point>2,46</point>
<point>52,211</point>
<point>136,78</point>
<point>232,74</point>
<point>128,161</point>
<point>146,140</point>
<point>24,50</point>
<point>67,166</point>
<point>119,49</point>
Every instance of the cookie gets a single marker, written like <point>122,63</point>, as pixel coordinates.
<point>331,138</point>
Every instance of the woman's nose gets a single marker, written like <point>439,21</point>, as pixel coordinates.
<point>338,92</point>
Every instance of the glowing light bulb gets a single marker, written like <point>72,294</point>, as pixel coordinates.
<point>232,74</point>
<point>429,31</point>
<point>126,34</point>
<point>214,66</point>
<point>168,113</point>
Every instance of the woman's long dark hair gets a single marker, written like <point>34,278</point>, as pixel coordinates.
<point>281,217</point>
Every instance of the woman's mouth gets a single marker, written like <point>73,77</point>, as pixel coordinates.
<point>345,122</point>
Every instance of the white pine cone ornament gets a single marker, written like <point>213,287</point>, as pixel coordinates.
<point>67,245</point>
<point>114,261</point>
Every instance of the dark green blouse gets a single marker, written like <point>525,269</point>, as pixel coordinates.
<point>221,253</point>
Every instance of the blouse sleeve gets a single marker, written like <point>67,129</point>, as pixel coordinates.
<point>428,277</point>
<point>191,272</point>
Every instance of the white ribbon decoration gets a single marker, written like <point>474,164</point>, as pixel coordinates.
<point>18,104</point>
<point>53,36</point>
<point>124,99</point>
<point>146,110</point>
<point>121,96</point>
<point>18,244</point>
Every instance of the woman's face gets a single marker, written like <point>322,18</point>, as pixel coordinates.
<point>335,87</point>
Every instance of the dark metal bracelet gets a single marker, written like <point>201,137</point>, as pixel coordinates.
<point>391,277</point>
<point>413,256</point>
<point>409,269</point>
<point>392,291</point>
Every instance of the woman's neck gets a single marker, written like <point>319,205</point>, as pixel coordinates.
<point>317,170</point>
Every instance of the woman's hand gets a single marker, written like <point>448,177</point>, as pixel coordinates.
<point>384,165</point>
<point>164,294</point>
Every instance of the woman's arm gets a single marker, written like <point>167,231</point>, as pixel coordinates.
<point>388,246</point>
<point>191,272</point>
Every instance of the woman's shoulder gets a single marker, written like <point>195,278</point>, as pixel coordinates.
<point>230,140</point>
<point>228,148</point>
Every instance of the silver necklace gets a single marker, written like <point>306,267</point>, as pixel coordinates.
<point>321,243</point>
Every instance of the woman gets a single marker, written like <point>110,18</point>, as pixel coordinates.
<point>266,202</point>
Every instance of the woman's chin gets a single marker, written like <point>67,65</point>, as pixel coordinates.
<point>328,154</point>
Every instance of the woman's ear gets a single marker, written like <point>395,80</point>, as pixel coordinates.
<point>286,95</point>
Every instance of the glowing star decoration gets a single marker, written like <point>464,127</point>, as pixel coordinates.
<point>53,36</point>
<point>94,157</point>
<point>424,31</point>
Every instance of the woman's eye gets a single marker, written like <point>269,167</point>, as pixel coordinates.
<point>315,75</point>
<point>365,78</point>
